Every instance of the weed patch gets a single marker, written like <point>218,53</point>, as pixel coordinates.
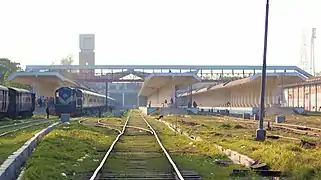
<point>299,159</point>
<point>201,157</point>
<point>71,151</point>
<point>12,142</point>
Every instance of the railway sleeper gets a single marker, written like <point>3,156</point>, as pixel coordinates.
<point>188,175</point>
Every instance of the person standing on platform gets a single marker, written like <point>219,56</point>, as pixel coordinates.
<point>43,100</point>
<point>47,111</point>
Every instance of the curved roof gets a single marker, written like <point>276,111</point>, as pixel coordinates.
<point>19,90</point>
<point>39,74</point>
<point>3,87</point>
<point>158,80</point>
<point>247,80</point>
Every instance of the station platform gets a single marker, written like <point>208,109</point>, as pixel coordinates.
<point>244,92</point>
<point>43,83</point>
<point>163,86</point>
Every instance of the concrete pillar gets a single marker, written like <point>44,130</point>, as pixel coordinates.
<point>304,97</point>
<point>235,99</point>
<point>232,100</point>
<point>267,103</point>
<point>35,89</point>
<point>288,100</point>
<point>252,98</point>
<point>239,99</point>
<point>309,98</point>
<point>247,99</point>
<point>173,96</point>
<point>138,101</point>
<point>190,98</point>
<point>316,97</point>
<point>292,97</point>
<point>123,99</point>
<point>298,95</point>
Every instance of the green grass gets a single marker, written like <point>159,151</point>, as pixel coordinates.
<point>13,141</point>
<point>7,121</point>
<point>75,150</point>
<point>309,120</point>
<point>197,156</point>
<point>282,154</point>
<point>23,124</point>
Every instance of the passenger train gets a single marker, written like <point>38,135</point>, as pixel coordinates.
<point>15,102</point>
<point>76,101</point>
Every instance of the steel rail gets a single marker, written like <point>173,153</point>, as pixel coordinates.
<point>135,127</point>
<point>17,124</point>
<point>100,124</point>
<point>24,127</point>
<point>178,173</point>
<point>94,176</point>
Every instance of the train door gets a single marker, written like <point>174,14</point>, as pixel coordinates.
<point>20,101</point>
<point>33,101</point>
<point>78,99</point>
<point>2,100</point>
<point>6,99</point>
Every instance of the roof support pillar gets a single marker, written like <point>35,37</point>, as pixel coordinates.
<point>173,92</point>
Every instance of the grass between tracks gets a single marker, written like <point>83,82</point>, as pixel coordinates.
<point>13,141</point>
<point>201,157</point>
<point>7,121</point>
<point>292,157</point>
<point>15,126</point>
<point>69,152</point>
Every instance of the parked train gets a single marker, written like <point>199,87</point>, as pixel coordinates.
<point>75,101</point>
<point>15,102</point>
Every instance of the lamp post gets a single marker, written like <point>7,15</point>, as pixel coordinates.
<point>261,133</point>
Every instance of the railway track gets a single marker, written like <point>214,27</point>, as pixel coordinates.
<point>21,122</point>
<point>137,153</point>
<point>17,127</point>
<point>297,129</point>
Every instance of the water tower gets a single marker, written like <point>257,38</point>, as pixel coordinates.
<point>87,47</point>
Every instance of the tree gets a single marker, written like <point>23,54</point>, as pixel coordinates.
<point>68,60</point>
<point>7,68</point>
<point>8,65</point>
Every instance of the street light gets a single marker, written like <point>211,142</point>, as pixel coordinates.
<point>261,133</point>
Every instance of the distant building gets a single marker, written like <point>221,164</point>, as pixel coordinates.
<point>306,94</point>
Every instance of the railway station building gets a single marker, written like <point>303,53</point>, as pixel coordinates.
<point>305,94</point>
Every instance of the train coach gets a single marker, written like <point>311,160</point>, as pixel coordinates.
<point>15,102</point>
<point>75,101</point>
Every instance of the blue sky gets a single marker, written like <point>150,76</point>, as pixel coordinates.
<point>204,32</point>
